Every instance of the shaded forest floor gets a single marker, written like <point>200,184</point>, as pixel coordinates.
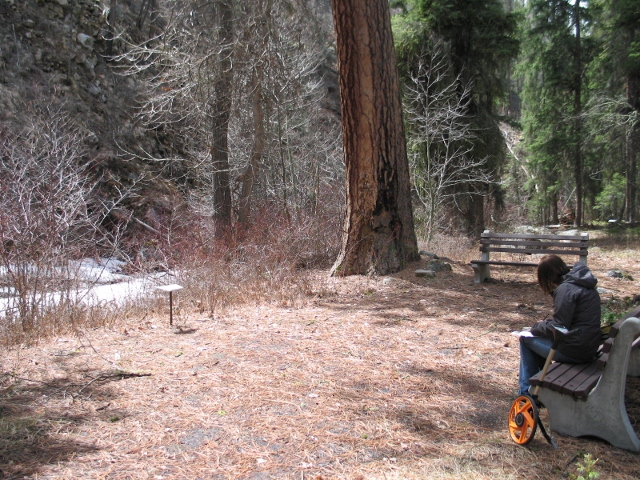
<point>370,378</point>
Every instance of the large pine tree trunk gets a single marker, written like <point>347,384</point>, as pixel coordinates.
<point>379,236</point>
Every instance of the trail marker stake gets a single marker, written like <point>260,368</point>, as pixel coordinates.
<point>170,288</point>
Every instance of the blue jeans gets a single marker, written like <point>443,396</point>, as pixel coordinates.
<point>533,354</point>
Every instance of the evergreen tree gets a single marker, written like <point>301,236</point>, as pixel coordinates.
<point>615,112</point>
<point>481,41</point>
<point>555,55</point>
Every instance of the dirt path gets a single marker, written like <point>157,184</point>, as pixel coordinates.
<point>394,377</point>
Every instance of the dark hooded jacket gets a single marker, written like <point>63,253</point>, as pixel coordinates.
<point>576,306</point>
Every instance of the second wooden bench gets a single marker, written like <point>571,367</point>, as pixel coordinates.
<point>514,245</point>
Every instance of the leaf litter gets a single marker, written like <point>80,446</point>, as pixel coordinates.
<point>392,377</point>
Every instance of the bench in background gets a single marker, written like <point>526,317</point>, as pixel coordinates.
<point>515,245</point>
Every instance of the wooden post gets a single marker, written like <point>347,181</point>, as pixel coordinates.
<point>170,288</point>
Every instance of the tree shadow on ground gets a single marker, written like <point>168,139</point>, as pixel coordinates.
<point>480,404</point>
<point>426,298</point>
<point>478,409</point>
<point>36,424</point>
<point>482,409</point>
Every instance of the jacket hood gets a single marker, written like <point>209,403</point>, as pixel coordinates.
<point>581,275</point>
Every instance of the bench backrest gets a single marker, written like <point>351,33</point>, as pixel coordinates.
<point>519,243</point>
<point>613,332</point>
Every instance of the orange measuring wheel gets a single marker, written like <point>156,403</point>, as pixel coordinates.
<point>523,420</point>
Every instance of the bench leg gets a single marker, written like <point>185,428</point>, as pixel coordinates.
<point>593,417</point>
<point>480,273</point>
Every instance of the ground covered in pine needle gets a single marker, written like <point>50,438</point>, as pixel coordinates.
<point>394,377</point>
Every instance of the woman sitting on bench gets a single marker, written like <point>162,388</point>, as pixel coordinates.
<point>576,306</point>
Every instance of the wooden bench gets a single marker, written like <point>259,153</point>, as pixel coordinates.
<point>518,244</point>
<point>588,399</point>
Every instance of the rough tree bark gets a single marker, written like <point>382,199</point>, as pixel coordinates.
<point>577,110</point>
<point>249,174</point>
<point>631,153</point>
<point>378,236</point>
<point>221,111</point>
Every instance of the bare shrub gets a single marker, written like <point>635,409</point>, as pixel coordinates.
<point>440,139</point>
<point>47,220</point>
<point>272,260</point>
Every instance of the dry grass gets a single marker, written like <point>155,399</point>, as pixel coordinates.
<point>459,248</point>
<point>270,262</point>
<point>394,377</point>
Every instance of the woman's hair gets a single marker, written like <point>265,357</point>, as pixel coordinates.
<point>550,271</point>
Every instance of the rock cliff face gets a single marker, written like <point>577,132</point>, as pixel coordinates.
<point>52,59</point>
<point>51,52</point>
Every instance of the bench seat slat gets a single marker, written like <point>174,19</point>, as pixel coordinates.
<point>570,379</point>
<point>555,370</point>
<point>529,251</point>
<point>533,235</point>
<point>531,243</point>
<point>569,374</point>
<point>499,262</point>
<point>584,381</point>
<point>560,373</point>
<point>575,375</point>
<point>512,264</point>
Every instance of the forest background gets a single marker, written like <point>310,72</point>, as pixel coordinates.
<point>168,132</point>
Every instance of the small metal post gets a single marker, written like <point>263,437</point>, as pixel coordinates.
<point>170,288</point>
<point>170,308</point>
